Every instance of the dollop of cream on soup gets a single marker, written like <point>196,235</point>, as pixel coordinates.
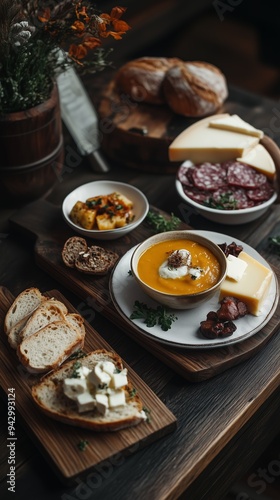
<point>180,267</point>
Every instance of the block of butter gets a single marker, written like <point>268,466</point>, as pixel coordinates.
<point>200,142</point>
<point>253,286</point>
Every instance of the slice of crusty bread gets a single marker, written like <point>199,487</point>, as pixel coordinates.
<point>49,396</point>
<point>49,311</point>
<point>47,348</point>
<point>72,248</point>
<point>24,304</point>
<point>77,321</point>
<point>96,260</point>
<point>14,333</point>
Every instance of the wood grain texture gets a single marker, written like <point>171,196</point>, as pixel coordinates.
<point>43,222</point>
<point>59,442</point>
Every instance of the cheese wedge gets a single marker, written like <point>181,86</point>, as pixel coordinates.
<point>260,159</point>
<point>252,288</point>
<point>234,123</point>
<point>199,143</point>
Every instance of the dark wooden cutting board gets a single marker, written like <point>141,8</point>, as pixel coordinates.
<point>59,442</point>
<point>43,222</point>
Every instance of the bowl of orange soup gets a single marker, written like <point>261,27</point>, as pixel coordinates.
<point>179,269</point>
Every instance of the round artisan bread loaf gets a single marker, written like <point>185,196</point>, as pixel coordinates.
<point>194,88</point>
<point>142,78</point>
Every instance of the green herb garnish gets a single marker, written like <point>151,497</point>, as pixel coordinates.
<point>83,444</point>
<point>153,316</point>
<point>132,393</point>
<point>75,372</point>
<point>225,202</point>
<point>274,242</point>
<point>161,223</point>
<point>148,414</point>
<point>77,355</point>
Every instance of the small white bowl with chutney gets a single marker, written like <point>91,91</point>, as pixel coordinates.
<point>179,269</point>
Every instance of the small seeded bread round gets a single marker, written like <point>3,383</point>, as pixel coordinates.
<point>72,248</point>
<point>96,260</point>
<point>49,396</point>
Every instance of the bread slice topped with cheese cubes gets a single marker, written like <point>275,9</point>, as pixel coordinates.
<point>42,331</point>
<point>93,392</point>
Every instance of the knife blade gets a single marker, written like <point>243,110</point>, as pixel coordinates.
<point>80,118</point>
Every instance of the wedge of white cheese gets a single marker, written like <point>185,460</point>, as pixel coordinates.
<point>260,159</point>
<point>234,123</point>
<point>200,142</point>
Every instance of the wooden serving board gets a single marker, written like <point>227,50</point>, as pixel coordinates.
<point>138,135</point>
<point>43,222</point>
<point>59,442</point>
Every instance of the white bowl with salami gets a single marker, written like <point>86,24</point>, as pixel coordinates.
<point>229,193</point>
<point>104,210</point>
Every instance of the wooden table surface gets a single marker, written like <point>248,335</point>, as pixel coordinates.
<point>224,423</point>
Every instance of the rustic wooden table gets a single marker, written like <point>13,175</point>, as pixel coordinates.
<point>223,423</point>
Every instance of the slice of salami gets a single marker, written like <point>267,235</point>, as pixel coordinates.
<point>241,175</point>
<point>185,175</point>
<point>262,193</point>
<point>209,176</point>
<point>196,195</point>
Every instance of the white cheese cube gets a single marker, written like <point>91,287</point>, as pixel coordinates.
<point>119,380</point>
<point>116,398</point>
<point>72,387</point>
<point>108,367</point>
<point>98,377</point>
<point>253,286</point>
<point>102,403</point>
<point>235,267</point>
<point>86,402</point>
<point>83,371</point>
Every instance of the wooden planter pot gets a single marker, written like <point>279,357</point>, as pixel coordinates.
<point>31,151</point>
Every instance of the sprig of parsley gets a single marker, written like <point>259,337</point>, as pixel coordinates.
<point>161,223</point>
<point>153,316</point>
<point>225,202</point>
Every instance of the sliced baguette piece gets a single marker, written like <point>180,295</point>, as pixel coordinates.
<point>71,250</point>
<point>49,396</point>
<point>96,261</point>
<point>49,311</point>
<point>24,304</point>
<point>14,333</point>
<point>47,348</point>
<point>77,321</point>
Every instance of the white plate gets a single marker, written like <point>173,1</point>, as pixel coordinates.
<point>184,332</point>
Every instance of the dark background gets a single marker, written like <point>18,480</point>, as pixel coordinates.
<point>241,37</point>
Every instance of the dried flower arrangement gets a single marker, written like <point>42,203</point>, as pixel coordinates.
<point>31,34</point>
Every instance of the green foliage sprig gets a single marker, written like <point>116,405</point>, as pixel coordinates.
<point>160,223</point>
<point>153,316</point>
